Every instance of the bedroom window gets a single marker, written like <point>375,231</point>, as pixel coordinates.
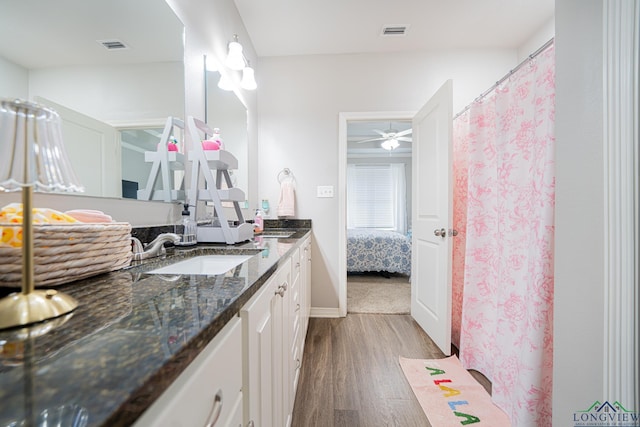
<point>376,196</point>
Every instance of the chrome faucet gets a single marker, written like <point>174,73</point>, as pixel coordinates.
<point>155,248</point>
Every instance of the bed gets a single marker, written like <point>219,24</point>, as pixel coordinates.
<point>370,250</point>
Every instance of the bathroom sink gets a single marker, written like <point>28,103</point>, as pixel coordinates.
<point>280,234</point>
<point>205,264</point>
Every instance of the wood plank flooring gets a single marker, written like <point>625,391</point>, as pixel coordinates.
<point>351,376</point>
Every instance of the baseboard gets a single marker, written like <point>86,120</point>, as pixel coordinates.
<point>324,312</point>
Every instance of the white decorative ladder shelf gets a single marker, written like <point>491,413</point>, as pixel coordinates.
<point>165,163</point>
<point>205,162</point>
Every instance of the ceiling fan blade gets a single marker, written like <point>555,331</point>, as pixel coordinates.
<point>404,132</point>
<point>404,138</point>
<point>370,140</point>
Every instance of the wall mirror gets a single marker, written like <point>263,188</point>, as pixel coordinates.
<point>224,110</point>
<point>113,69</point>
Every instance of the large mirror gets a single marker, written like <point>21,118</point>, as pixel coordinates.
<point>224,110</point>
<point>113,69</point>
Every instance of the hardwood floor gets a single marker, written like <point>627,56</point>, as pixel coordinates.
<point>351,375</point>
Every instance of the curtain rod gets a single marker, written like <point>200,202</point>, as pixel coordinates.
<point>509,74</point>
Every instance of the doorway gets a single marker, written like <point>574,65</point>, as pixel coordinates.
<point>357,127</point>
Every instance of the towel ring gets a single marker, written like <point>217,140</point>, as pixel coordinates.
<point>284,174</point>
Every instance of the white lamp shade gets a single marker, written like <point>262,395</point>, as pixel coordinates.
<point>225,82</point>
<point>235,59</point>
<point>33,153</point>
<point>390,144</point>
<point>248,81</point>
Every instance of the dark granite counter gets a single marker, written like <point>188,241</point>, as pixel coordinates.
<point>131,336</point>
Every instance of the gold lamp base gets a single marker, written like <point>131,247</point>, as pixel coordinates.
<point>36,159</point>
<point>21,309</point>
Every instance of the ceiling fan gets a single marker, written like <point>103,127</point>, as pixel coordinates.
<point>390,138</point>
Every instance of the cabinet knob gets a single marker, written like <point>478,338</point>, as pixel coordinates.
<point>216,409</point>
<point>280,291</point>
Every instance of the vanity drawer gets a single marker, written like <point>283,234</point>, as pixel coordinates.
<point>212,383</point>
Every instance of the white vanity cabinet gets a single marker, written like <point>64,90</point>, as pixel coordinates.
<point>209,391</point>
<point>305,287</point>
<point>248,374</point>
<point>300,306</point>
<point>264,343</point>
<point>275,324</point>
<point>293,331</point>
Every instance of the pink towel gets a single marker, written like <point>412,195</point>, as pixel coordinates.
<point>287,204</point>
<point>89,215</point>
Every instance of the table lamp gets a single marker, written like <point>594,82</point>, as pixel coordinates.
<point>33,159</point>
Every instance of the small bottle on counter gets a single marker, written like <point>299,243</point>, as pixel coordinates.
<point>189,228</point>
<point>258,222</point>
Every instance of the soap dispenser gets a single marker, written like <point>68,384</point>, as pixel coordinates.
<point>216,137</point>
<point>258,222</point>
<point>189,228</point>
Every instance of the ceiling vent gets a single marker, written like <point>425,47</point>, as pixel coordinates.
<point>113,44</point>
<point>394,30</point>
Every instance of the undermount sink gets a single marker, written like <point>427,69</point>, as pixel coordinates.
<point>204,264</point>
<point>280,234</point>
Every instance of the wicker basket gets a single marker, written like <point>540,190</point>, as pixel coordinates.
<point>69,252</point>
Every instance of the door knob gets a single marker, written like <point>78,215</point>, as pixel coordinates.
<point>441,232</point>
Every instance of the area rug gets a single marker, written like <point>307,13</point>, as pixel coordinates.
<point>378,295</point>
<point>449,395</point>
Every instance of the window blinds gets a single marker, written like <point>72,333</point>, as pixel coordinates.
<point>376,196</point>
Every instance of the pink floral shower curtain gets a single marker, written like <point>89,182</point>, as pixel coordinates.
<point>503,256</point>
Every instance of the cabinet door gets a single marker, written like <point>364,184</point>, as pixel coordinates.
<point>205,393</point>
<point>292,332</point>
<point>305,286</point>
<point>263,359</point>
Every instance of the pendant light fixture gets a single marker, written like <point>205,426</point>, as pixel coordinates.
<point>235,58</point>
<point>225,82</point>
<point>390,144</point>
<point>248,81</point>
<point>236,61</point>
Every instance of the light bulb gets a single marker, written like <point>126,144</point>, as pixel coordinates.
<point>248,81</point>
<point>225,83</point>
<point>235,60</point>
<point>390,144</point>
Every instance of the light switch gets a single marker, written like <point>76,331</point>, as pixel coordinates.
<point>325,190</point>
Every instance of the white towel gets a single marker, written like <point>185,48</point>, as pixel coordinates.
<point>287,204</point>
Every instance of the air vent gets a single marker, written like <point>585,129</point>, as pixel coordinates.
<point>394,30</point>
<point>113,44</point>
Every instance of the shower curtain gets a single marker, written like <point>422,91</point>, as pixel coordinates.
<point>503,255</point>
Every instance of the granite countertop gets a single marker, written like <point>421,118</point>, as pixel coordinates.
<point>130,337</point>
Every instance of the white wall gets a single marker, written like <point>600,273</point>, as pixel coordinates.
<point>580,205</point>
<point>543,35</point>
<point>299,102</point>
<point>14,80</point>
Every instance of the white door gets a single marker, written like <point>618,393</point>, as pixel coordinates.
<point>93,148</point>
<point>432,217</point>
